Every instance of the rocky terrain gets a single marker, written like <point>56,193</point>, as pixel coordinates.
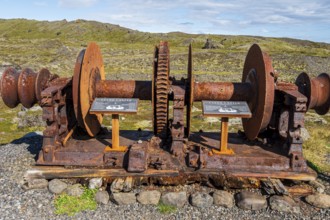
<point>21,200</point>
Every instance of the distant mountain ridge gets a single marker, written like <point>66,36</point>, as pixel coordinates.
<point>128,53</point>
<point>97,31</point>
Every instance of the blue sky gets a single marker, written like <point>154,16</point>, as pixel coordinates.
<point>302,19</point>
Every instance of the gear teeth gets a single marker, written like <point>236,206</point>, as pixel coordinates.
<point>161,94</point>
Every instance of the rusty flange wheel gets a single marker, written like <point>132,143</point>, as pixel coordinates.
<point>42,80</point>
<point>26,87</point>
<point>189,92</point>
<point>160,86</point>
<point>9,87</point>
<point>88,69</point>
<point>258,70</point>
<point>317,91</point>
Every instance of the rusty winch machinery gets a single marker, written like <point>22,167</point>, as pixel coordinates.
<point>73,109</point>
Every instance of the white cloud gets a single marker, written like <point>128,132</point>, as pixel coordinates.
<point>76,3</point>
<point>214,16</point>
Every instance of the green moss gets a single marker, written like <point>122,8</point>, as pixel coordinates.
<point>166,209</point>
<point>70,205</point>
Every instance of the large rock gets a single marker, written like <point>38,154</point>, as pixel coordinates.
<point>75,190</point>
<point>37,184</point>
<point>283,204</point>
<point>124,198</point>
<point>250,201</point>
<point>223,198</point>
<point>177,199</point>
<point>209,45</point>
<point>319,200</point>
<point>95,183</point>
<point>102,197</point>
<point>201,200</point>
<point>57,186</point>
<point>149,197</point>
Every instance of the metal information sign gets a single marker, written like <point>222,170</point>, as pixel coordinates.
<point>226,109</point>
<point>114,105</point>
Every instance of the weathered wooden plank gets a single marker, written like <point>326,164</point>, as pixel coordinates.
<point>52,172</point>
<point>306,176</point>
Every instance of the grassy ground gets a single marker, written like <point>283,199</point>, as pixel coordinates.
<point>70,205</point>
<point>317,148</point>
<point>128,54</point>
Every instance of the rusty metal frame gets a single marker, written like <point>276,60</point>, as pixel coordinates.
<point>178,155</point>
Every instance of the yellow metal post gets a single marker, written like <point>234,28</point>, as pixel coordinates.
<point>115,131</point>
<point>115,135</point>
<point>224,139</point>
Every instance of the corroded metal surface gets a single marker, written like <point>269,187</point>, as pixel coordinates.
<point>189,92</point>
<point>41,82</point>
<point>161,87</point>
<point>123,89</point>
<point>222,91</point>
<point>317,91</point>
<point>258,70</point>
<point>87,72</point>
<point>26,89</point>
<point>76,89</point>
<point>9,87</point>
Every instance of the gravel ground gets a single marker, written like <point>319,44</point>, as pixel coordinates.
<point>16,203</point>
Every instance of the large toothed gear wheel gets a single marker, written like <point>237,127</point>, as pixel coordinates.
<point>89,68</point>
<point>160,89</point>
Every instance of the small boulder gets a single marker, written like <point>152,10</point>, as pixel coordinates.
<point>250,201</point>
<point>122,185</point>
<point>149,197</point>
<point>177,199</point>
<point>319,187</point>
<point>319,200</point>
<point>117,185</point>
<point>95,183</point>
<point>37,184</point>
<point>124,198</point>
<point>102,197</point>
<point>304,134</point>
<point>21,114</point>
<point>57,186</point>
<point>223,198</point>
<point>75,190</point>
<point>283,204</point>
<point>201,200</point>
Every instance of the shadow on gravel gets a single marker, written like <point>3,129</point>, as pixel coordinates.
<point>322,176</point>
<point>34,142</point>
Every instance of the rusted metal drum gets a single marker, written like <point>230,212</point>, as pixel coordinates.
<point>9,87</point>
<point>259,72</point>
<point>317,91</point>
<point>88,70</point>
<point>26,88</point>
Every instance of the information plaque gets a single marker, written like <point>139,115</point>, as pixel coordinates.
<point>114,106</point>
<point>226,109</point>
